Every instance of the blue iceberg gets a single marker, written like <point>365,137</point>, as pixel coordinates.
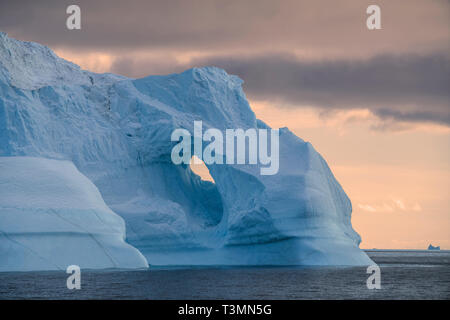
<point>114,134</point>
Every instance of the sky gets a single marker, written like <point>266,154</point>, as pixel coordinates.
<point>374,103</point>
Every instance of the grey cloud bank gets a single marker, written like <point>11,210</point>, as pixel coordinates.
<point>409,88</point>
<point>328,57</point>
<point>315,28</point>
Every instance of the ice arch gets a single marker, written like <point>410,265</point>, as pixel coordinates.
<point>299,216</point>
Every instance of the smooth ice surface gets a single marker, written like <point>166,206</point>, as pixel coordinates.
<point>52,216</point>
<point>117,132</point>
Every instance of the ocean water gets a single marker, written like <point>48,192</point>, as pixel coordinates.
<point>404,275</point>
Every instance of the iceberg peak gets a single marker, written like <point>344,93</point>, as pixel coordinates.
<point>30,66</point>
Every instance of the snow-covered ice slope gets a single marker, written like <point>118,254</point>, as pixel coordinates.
<point>52,216</point>
<point>117,132</point>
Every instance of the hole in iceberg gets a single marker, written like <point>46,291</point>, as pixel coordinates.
<point>208,210</point>
<point>200,169</point>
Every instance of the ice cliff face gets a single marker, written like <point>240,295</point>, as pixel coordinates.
<point>117,133</point>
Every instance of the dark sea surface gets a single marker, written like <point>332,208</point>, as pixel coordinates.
<point>404,275</point>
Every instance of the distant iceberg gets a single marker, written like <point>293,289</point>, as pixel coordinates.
<point>116,131</point>
<point>431,247</point>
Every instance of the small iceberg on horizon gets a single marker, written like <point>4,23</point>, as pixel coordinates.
<point>431,247</point>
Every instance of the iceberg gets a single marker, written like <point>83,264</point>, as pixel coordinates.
<point>431,247</point>
<point>117,133</point>
<point>52,216</point>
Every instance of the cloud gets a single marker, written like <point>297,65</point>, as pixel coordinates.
<point>407,88</point>
<point>442,117</point>
<point>316,29</point>
<point>396,89</point>
<point>147,65</point>
<point>399,203</point>
<point>367,207</point>
<point>394,205</point>
<point>326,57</point>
